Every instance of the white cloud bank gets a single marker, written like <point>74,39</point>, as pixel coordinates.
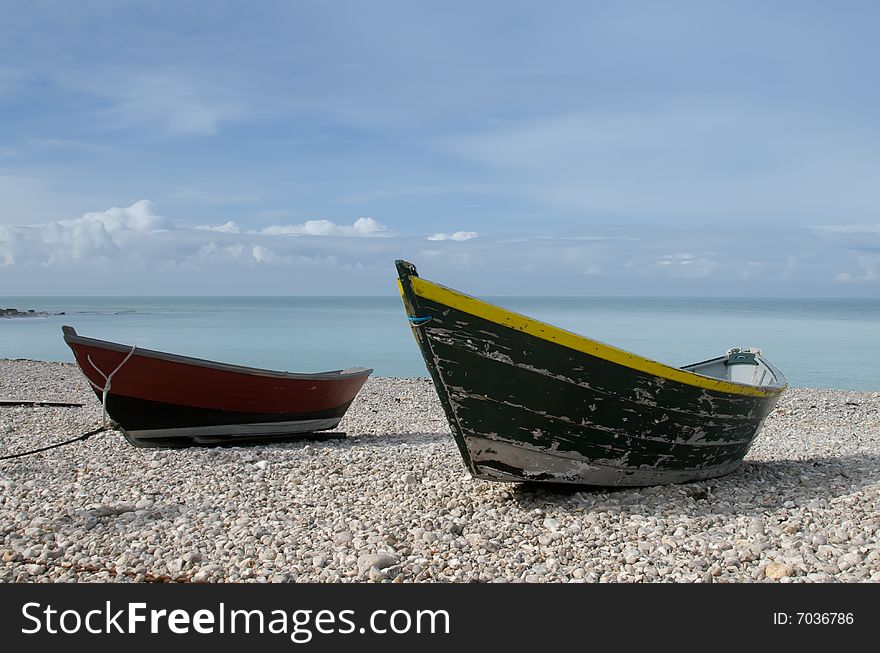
<point>94,235</point>
<point>134,250</point>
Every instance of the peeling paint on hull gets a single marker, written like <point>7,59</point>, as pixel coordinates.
<point>493,460</point>
<point>525,408</point>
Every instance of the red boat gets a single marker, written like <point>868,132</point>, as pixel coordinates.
<point>161,399</point>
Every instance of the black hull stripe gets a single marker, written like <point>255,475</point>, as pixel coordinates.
<point>142,415</point>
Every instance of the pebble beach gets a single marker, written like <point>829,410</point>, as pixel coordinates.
<point>392,502</point>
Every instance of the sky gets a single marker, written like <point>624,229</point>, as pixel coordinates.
<point>506,148</point>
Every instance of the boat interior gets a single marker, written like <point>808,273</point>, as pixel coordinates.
<point>740,366</point>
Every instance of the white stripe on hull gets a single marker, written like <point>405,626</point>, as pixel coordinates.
<point>240,430</point>
<point>530,464</point>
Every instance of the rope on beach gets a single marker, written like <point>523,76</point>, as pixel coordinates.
<point>84,436</point>
<point>107,382</point>
<point>39,403</point>
<point>419,321</point>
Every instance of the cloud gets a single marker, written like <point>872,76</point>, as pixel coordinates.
<point>96,234</point>
<point>229,227</point>
<point>360,227</point>
<point>458,235</point>
<point>139,216</point>
<point>263,254</point>
<point>688,265</point>
<point>207,254</point>
<point>869,271</point>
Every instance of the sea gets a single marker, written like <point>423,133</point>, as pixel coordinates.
<point>816,343</point>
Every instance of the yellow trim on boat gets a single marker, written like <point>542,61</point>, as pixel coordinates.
<point>459,301</point>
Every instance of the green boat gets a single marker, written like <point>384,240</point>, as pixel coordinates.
<point>527,401</point>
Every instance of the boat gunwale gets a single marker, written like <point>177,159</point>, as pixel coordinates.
<point>71,337</point>
<point>423,288</point>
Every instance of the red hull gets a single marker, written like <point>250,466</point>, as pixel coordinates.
<point>160,391</point>
<point>177,383</point>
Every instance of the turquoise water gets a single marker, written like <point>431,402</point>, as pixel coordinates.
<point>825,343</point>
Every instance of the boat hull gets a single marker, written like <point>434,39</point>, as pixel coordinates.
<point>161,399</point>
<point>524,406</point>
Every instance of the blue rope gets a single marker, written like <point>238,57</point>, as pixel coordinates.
<point>419,321</point>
